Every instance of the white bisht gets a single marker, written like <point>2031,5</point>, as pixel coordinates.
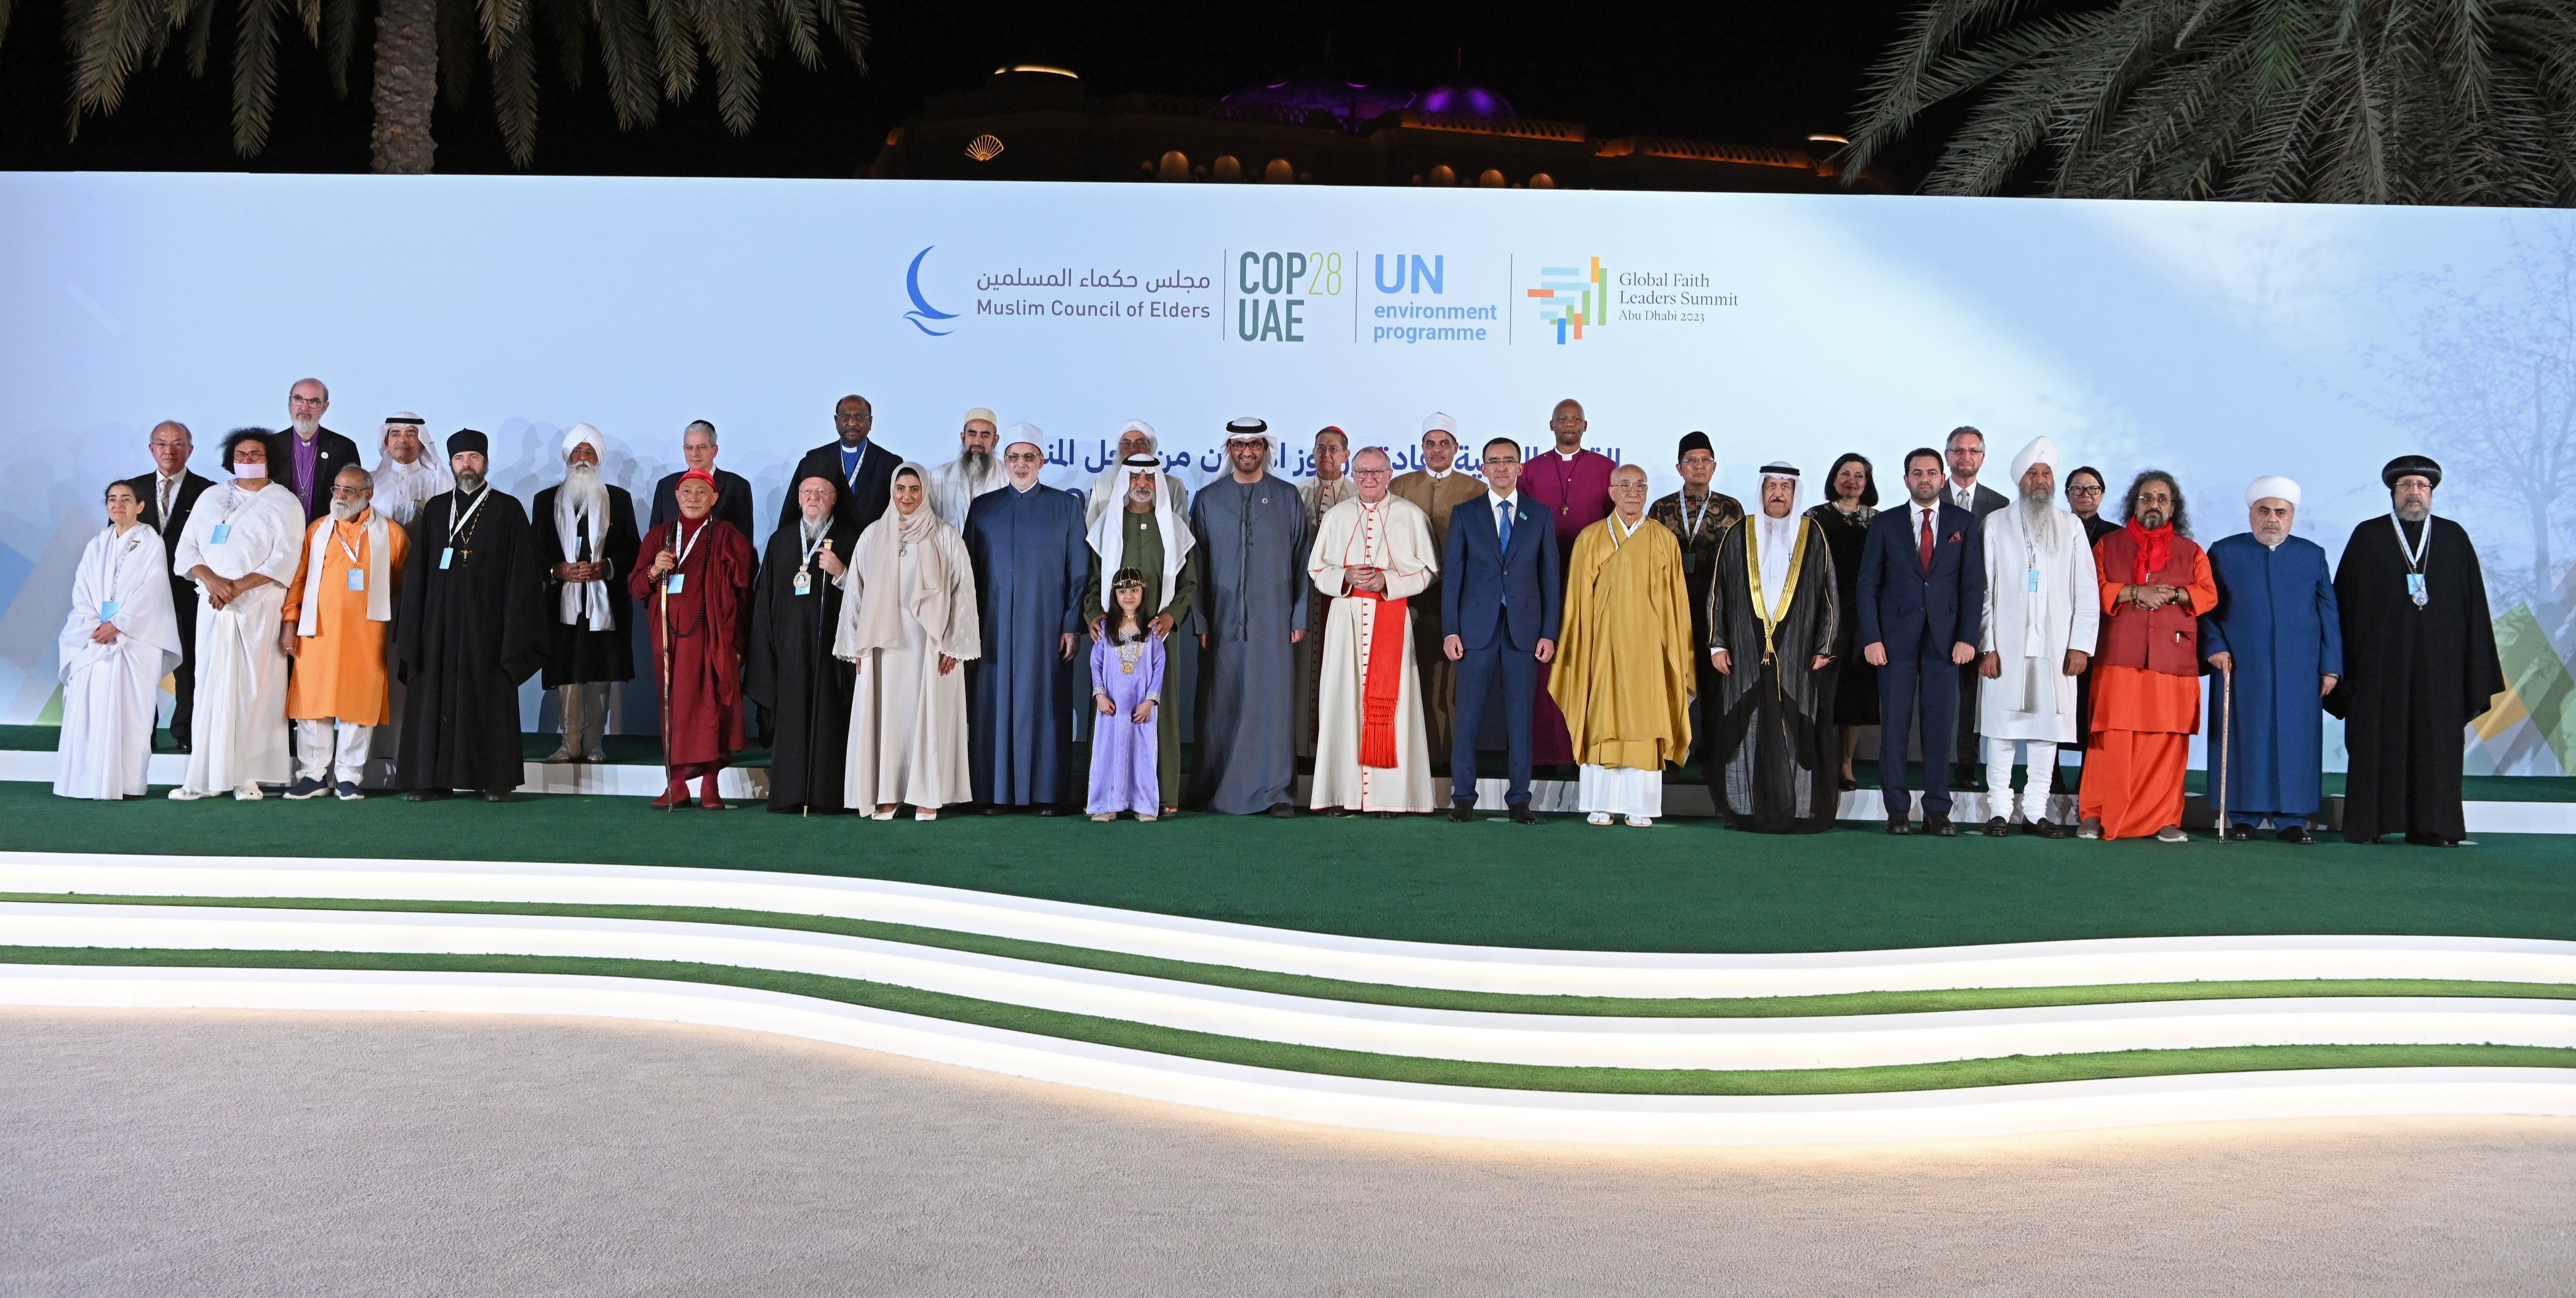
<point>1393,535</point>
<point>109,690</point>
<point>240,718</point>
<point>953,486</point>
<point>2041,600</point>
<point>911,598</point>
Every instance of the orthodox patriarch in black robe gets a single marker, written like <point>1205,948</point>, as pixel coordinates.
<point>1773,757</point>
<point>2415,673</point>
<point>790,670</point>
<point>472,629</point>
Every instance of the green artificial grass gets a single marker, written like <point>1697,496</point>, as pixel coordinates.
<point>1684,886</point>
<point>2007,1071</point>
<point>1336,989</point>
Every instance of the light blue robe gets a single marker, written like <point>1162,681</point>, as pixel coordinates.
<point>2276,614</point>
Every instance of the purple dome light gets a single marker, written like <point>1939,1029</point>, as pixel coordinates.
<point>1471,101</point>
<point>1349,100</point>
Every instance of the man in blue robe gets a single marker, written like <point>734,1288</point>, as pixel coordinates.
<point>1249,529</point>
<point>1026,540</point>
<point>2277,633</point>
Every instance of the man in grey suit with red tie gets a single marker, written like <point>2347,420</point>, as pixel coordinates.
<point>1499,598</point>
<point>1922,594</point>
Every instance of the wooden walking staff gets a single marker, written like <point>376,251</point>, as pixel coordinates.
<point>2226,740</point>
<point>662,598</point>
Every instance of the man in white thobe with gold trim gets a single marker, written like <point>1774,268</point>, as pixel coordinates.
<point>2043,609</point>
<point>1371,553</point>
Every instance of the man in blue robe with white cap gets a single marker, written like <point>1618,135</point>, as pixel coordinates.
<point>1031,558</point>
<point>2276,641</point>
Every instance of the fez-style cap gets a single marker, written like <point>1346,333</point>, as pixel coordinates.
<point>1694,441</point>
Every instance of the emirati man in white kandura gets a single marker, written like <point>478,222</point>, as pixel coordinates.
<point>2043,611</point>
<point>241,547</point>
<point>121,638</point>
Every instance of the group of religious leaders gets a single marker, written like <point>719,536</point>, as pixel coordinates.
<point>913,632</point>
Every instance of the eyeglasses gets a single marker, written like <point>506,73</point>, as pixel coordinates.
<point>339,492</point>
<point>2074,490</point>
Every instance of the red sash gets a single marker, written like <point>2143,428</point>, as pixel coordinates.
<point>1385,686</point>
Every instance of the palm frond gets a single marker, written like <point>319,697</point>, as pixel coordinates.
<point>255,73</point>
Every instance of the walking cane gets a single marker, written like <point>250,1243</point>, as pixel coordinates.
<point>2226,739</point>
<point>662,597</point>
<point>817,651</point>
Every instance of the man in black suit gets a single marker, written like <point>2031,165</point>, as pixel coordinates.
<point>1964,454</point>
<point>1922,594</point>
<point>862,471</point>
<point>168,493</point>
<point>305,457</point>
<point>733,491</point>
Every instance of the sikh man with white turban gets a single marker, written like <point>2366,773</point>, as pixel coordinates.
<point>1135,437</point>
<point>2043,614</point>
<point>2276,639</point>
<point>976,470</point>
<point>406,474</point>
<point>586,538</point>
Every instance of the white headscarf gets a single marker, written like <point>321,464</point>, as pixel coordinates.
<point>2273,487</point>
<point>401,489</point>
<point>877,622</point>
<point>1108,533</point>
<point>1778,539</point>
<point>583,601</point>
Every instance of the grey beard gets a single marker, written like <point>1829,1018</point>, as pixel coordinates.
<point>978,464</point>
<point>347,510</point>
<point>304,428</point>
<point>2414,513</point>
<point>469,483</point>
<point>2039,516</point>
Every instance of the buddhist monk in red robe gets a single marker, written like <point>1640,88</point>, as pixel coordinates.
<point>2146,680</point>
<point>693,590</point>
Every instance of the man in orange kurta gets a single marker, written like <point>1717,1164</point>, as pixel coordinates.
<point>337,612</point>
<point>2146,679</point>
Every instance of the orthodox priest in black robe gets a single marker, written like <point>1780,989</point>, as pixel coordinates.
<point>1773,761</point>
<point>2420,663</point>
<point>472,629</point>
<point>789,669</point>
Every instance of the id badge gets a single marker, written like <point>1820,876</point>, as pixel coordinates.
<point>2030,580</point>
<point>107,610</point>
<point>804,583</point>
<point>2415,589</point>
<point>223,532</point>
<point>446,557</point>
<point>671,584</point>
<point>357,579</point>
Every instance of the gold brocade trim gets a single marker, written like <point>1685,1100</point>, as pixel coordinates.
<point>1788,589</point>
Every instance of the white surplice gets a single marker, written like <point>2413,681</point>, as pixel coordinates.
<point>1393,535</point>
<point>110,690</point>
<point>240,717</point>
<point>907,721</point>
<point>2041,600</point>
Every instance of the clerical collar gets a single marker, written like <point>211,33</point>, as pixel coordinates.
<point>1568,456</point>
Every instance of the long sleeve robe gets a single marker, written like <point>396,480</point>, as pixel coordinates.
<point>2042,599</point>
<point>697,635</point>
<point>340,668</point>
<point>2418,677</point>
<point>240,723</point>
<point>908,720</point>
<point>109,689</point>
<point>1251,551</point>
<point>471,630</point>
<point>2276,620</point>
<point>1318,496</point>
<point>576,654</point>
<point>1576,491</point>
<point>1141,548</point>
<point>1623,673</point>
<point>1031,561</point>
<point>1394,536</point>
<point>789,669</point>
<point>1772,760</point>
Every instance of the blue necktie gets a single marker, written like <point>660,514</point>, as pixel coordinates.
<point>1503,523</point>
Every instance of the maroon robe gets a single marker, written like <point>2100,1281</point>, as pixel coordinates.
<point>703,721</point>
<point>1577,494</point>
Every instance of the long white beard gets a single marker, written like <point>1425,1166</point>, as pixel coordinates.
<point>347,511</point>
<point>583,485</point>
<point>2039,519</point>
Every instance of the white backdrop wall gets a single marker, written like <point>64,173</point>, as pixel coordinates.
<point>2220,341</point>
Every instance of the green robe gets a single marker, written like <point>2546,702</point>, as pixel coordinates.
<point>1142,550</point>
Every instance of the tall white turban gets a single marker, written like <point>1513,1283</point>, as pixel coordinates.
<point>2040,451</point>
<point>2273,486</point>
<point>1440,420</point>
<point>580,433</point>
<point>581,529</point>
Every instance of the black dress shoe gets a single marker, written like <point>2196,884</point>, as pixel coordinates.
<point>2044,829</point>
<point>1997,827</point>
<point>1899,826</point>
<point>1522,815</point>
<point>1386,815</point>
<point>1049,811</point>
<point>2293,834</point>
<point>1283,810</point>
<point>428,795</point>
<point>495,797</point>
<point>991,810</point>
<point>2240,833</point>
<point>1940,827</point>
<point>1340,813</point>
<point>1462,812</point>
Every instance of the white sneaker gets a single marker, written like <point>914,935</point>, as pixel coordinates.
<point>1641,822</point>
<point>1597,818</point>
<point>2172,834</point>
<point>249,792</point>
<point>185,794</point>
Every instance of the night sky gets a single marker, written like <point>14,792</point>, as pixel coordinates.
<point>1732,71</point>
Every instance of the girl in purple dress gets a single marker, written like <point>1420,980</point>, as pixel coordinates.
<point>1127,684</point>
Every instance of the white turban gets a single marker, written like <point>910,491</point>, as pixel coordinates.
<point>1440,420</point>
<point>580,433</point>
<point>1140,426</point>
<point>2040,451</point>
<point>1024,431</point>
<point>2273,486</point>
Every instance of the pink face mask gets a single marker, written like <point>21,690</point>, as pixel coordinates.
<point>253,471</point>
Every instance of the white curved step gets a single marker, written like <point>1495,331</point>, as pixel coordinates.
<point>1959,1114</point>
<point>1824,1041</point>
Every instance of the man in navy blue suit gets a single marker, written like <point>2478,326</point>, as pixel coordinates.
<point>1499,597</point>
<point>1922,592</point>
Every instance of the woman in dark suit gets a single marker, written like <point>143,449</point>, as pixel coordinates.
<point>1851,500</point>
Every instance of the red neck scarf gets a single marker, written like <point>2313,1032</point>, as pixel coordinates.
<point>2155,550</point>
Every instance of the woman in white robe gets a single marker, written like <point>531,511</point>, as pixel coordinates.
<point>121,638</point>
<point>908,622</point>
<point>248,538</point>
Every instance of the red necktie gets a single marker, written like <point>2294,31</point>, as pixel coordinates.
<point>1925,556</point>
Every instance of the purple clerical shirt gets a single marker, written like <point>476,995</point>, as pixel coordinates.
<point>307,453</point>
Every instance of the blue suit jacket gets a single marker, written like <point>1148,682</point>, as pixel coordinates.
<point>1905,608</point>
<point>1484,591</point>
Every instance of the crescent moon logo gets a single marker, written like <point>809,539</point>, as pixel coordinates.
<point>922,310</point>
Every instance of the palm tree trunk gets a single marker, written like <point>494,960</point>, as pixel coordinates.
<point>406,86</point>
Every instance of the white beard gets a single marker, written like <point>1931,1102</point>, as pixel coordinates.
<point>583,486</point>
<point>347,511</point>
<point>305,428</point>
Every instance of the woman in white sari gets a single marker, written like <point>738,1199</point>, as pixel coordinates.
<point>119,641</point>
<point>241,546</point>
<point>907,622</point>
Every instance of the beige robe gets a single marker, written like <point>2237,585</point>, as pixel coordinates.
<point>1317,497</point>
<point>1395,535</point>
<point>907,721</point>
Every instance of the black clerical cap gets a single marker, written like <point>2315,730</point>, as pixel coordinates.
<point>2403,466</point>
<point>1694,441</point>
<point>467,439</point>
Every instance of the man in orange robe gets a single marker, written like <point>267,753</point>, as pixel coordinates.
<point>2146,679</point>
<point>334,620</point>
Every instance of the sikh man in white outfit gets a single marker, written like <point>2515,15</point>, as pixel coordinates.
<point>2043,608</point>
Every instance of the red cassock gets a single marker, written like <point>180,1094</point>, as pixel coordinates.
<point>1576,491</point>
<point>697,631</point>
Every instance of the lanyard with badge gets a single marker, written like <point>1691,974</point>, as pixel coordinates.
<point>2414,558</point>
<point>107,608</point>
<point>1690,525</point>
<point>447,557</point>
<point>675,579</point>
<point>805,562</point>
<point>224,522</point>
<point>357,570</point>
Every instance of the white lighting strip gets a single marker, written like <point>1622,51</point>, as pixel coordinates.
<point>1474,1112</point>
<point>1408,964</point>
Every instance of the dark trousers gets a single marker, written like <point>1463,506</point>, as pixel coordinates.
<point>1477,673</point>
<point>183,678</point>
<point>1932,679</point>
